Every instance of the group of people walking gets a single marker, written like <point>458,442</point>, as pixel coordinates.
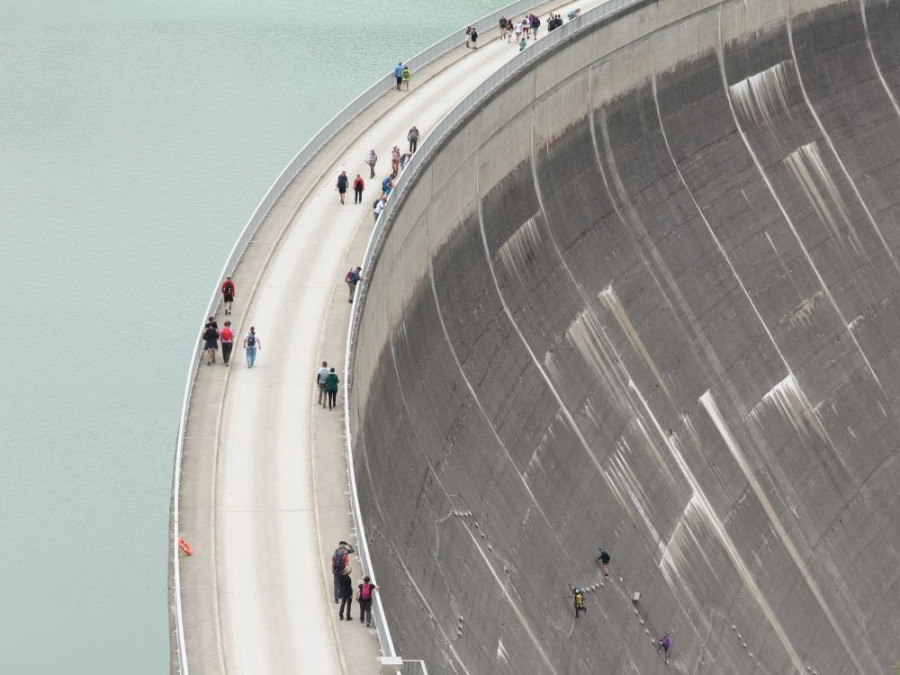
<point>212,335</point>
<point>343,586</point>
<point>398,163</point>
<point>527,29</point>
<point>327,381</point>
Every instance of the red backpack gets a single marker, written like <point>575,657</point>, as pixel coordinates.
<point>365,592</point>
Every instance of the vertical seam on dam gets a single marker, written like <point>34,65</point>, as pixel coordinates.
<point>399,558</point>
<point>720,51</point>
<point>709,405</point>
<point>712,233</point>
<point>634,221</point>
<point>834,152</point>
<point>725,538</point>
<point>878,71</point>
<point>484,414</point>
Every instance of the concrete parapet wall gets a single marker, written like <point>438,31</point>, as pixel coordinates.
<point>646,297</point>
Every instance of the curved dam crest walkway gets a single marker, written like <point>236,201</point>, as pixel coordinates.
<point>264,497</point>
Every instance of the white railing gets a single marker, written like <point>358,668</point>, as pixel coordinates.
<point>428,148</point>
<point>294,167</point>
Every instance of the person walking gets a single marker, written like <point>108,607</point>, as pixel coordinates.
<point>352,278</point>
<point>523,43</point>
<point>331,388</point>
<point>517,31</point>
<point>226,335</point>
<point>373,158</point>
<point>364,596</point>
<point>577,600</point>
<point>321,374</point>
<point>473,36</point>
<point>210,342</point>
<point>413,138</point>
<point>339,562</point>
<point>535,24</point>
<point>604,559</point>
<point>664,643</point>
<point>398,73</point>
<point>358,186</point>
<point>342,182</point>
<point>379,207</point>
<point>405,75</point>
<point>503,23</point>
<point>346,584</point>
<point>395,161</point>
<point>251,345</point>
<point>228,294</point>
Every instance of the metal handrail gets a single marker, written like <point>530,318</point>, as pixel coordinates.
<point>284,179</point>
<point>426,151</point>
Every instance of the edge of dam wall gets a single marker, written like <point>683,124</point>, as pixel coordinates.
<point>711,392</point>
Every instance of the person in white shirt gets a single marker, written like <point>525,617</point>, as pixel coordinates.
<point>321,374</point>
<point>251,345</point>
<point>379,207</point>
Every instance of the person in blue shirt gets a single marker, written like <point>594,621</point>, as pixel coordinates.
<point>398,73</point>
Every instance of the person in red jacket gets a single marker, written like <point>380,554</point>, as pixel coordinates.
<point>358,186</point>
<point>226,335</point>
<point>228,294</point>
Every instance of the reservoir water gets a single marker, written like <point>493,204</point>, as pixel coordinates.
<point>135,140</point>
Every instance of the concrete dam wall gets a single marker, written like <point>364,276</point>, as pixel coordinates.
<point>646,298</point>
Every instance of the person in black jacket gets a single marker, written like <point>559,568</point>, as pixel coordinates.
<point>342,183</point>
<point>340,561</point>
<point>211,340</point>
<point>346,593</point>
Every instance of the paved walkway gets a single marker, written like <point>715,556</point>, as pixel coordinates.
<point>265,497</point>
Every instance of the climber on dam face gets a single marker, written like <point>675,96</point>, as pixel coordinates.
<point>577,600</point>
<point>604,559</point>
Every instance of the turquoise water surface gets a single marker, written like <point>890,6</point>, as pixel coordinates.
<point>136,138</point>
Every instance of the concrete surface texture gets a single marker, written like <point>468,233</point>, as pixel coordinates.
<point>646,298</point>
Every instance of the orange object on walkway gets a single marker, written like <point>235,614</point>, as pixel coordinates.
<point>185,547</point>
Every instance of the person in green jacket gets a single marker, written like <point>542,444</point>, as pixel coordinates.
<point>331,387</point>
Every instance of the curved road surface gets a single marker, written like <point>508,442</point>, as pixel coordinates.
<point>264,480</point>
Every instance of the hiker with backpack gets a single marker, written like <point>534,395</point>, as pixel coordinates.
<point>227,294</point>
<point>351,279</point>
<point>226,335</point>
<point>364,597</point>
<point>339,562</point>
<point>321,376</point>
<point>577,598</point>
<point>358,186</point>
<point>251,345</point>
